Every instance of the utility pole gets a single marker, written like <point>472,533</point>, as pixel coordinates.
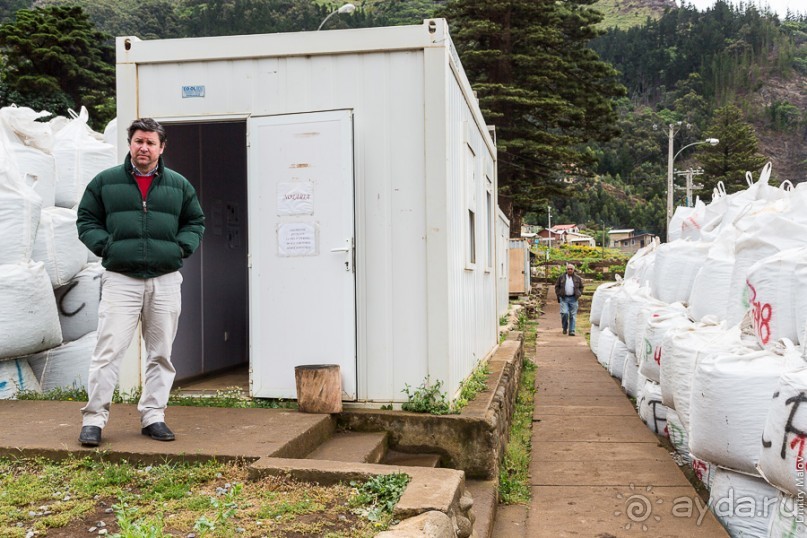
<point>670,159</point>
<point>689,174</point>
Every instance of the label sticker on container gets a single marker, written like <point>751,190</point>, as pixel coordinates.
<point>297,239</point>
<point>295,198</point>
<point>193,91</point>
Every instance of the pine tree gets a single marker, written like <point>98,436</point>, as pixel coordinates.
<point>736,154</point>
<point>540,84</point>
<point>55,59</point>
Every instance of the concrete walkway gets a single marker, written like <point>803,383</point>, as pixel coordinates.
<point>596,470</point>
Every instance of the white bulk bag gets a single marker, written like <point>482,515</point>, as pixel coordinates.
<point>38,170</point>
<point>783,454</point>
<point>57,245</point>
<point>676,265</point>
<point>111,132</point>
<point>681,350</point>
<point>28,318</point>
<point>649,349</point>
<point>617,359</point>
<point>78,302</point>
<point>20,209</point>
<point>651,410</point>
<point>710,289</point>
<point>704,472</point>
<point>604,346</point>
<point>611,309</point>
<point>638,261</point>
<point>594,337</point>
<point>16,376</point>
<point>731,395</point>
<point>635,316</point>
<point>687,222</point>
<point>774,285</point>
<point>630,375</point>
<point>787,520</point>
<point>781,225</point>
<point>743,504</point>
<point>601,295</point>
<point>678,436</point>
<point>66,366</point>
<point>20,123</point>
<point>80,155</point>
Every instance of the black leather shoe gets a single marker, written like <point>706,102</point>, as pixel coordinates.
<point>90,436</point>
<point>158,431</point>
<point>571,334</point>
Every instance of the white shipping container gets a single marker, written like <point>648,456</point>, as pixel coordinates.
<point>349,183</point>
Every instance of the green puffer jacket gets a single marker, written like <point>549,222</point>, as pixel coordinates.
<point>140,238</point>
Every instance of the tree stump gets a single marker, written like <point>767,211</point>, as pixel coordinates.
<point>319,388</point>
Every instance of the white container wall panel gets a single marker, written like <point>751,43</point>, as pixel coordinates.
<point>472,287</point>
<point>502,263</point>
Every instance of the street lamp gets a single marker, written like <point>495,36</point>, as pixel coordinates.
<point>347,8</point>
<point>671,159</point>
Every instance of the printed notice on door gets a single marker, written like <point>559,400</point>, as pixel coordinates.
<point>295,198</point>
<point>297,239</point>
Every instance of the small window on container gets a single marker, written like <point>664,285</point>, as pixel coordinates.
<point>471,237</point>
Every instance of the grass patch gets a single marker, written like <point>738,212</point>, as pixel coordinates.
<point>211,499</point>
<point>230,397</point>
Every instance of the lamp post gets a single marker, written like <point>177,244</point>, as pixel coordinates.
<point>671,159</point>
<point>347,8</point>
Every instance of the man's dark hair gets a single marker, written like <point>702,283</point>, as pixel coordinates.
<point>146,124</point>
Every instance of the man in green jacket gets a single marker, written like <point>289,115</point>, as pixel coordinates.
<point>142,219</point>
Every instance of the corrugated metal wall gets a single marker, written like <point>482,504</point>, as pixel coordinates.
<point>502,262</point>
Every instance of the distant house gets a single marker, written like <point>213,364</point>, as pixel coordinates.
<point>633,243</point>
<point>618,235</point>
<point>565,228</point>
<point>544,237</point>
<point>573,238</point>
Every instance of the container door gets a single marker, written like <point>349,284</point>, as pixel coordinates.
<point>302,276</point>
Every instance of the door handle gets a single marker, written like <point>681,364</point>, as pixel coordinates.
<point>348,249</point>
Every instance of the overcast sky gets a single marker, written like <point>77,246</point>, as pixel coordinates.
<point>779,6</point>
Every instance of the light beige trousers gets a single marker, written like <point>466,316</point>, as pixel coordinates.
<point>157,303</point>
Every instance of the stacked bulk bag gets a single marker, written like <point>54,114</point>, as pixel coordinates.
<point>80,154</point>
<point>630,375</point>
<point>20,209</point>
<point>783,454</point>
<point>66,366</point>
<point>775,295</point>
<point>616,360</point>
<point>641,263</point>
<point>676,265</point>
<point>778,226</point>
<point>600,297</point>
<point>691,221</point>
<point>594,337</point>
<point>29,321</point>
<point>704,471</point>
<point>604,347</point>
<point>678,436</point>
<point>743,504</point>
<point>731,395</point>
<point>651,410</point>
<point>681,350</point>
<point>659,322</point>
<point>78,301</point>
<point>57,245</point>
<point>16,376</point>
<point>30,144</point>
<point>710,289</point>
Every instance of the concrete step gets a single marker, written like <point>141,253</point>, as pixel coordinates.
<point>393,457</point>
<point>486,501</point>
<point>358,447</point>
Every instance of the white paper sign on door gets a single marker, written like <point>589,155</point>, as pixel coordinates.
<point>295,198</point>
<point>297,239</point>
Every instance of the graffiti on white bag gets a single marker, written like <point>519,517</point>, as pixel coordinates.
<point>801,435</point>
<point>761,315</point>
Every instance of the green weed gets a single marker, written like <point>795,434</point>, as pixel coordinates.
<point>427,398</point>
<point>377,497</point>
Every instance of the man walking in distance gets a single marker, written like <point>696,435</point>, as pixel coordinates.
<point>142,219</point>
<point>568,288</point>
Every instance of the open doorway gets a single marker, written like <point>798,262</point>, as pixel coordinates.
<point>212,343</point>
